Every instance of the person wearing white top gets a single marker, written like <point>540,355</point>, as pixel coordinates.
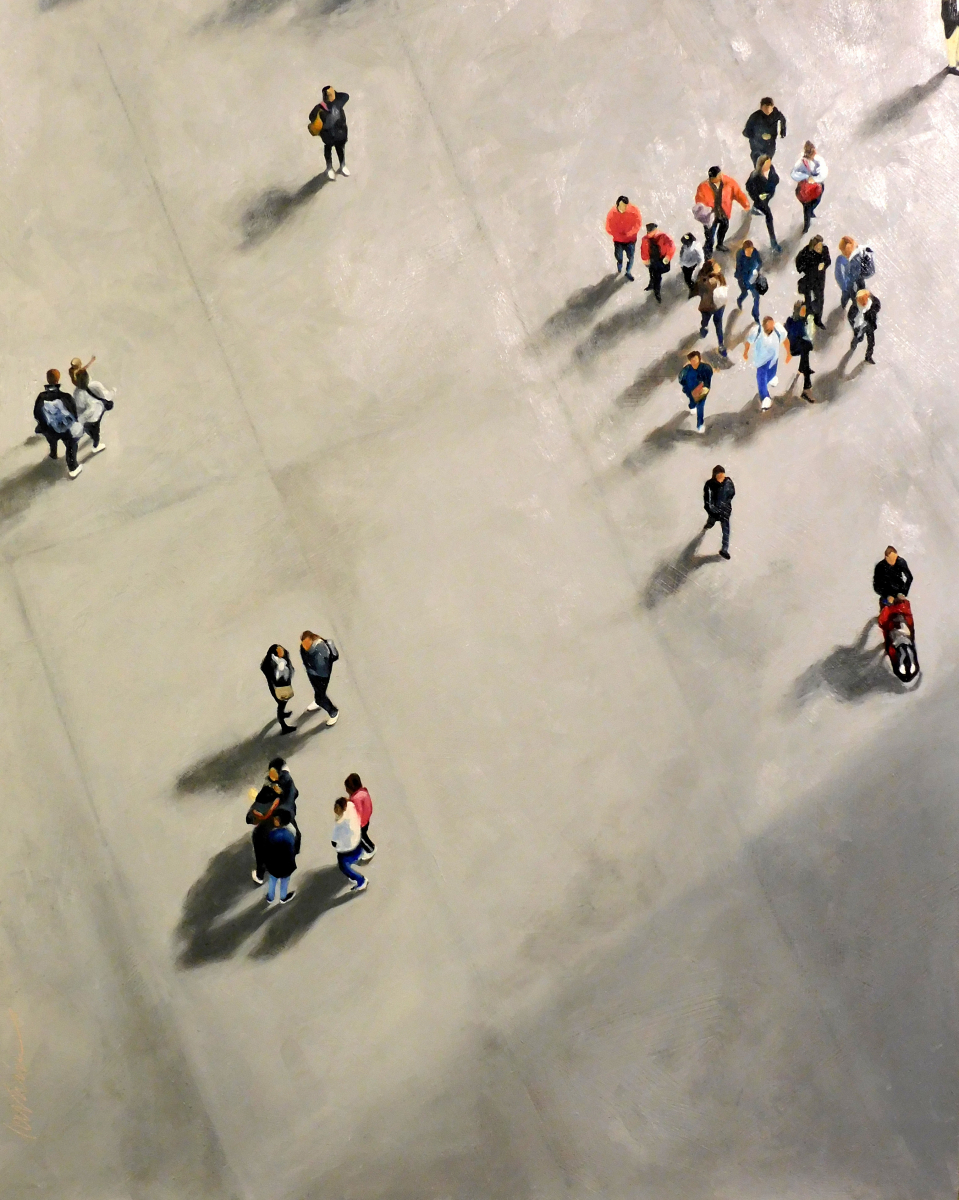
<point>347,842</point>
<point>810,176</point>
<point>766,340</point>
<point>92,399</point>
<point>691,258</point>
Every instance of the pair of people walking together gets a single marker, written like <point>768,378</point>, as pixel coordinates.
<point>318,656</point>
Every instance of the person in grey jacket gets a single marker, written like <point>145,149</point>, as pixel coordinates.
<point>319,655</point>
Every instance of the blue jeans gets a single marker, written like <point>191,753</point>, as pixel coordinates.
<point>764,373</point>
<point>747,289</point>
<point>346,863</point>
<point>629,248</point>
<point>717,317</point>
<point>700,407</point>
<point>271,882</point>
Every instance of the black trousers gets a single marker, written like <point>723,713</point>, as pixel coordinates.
<point>93,429</point>
<point>70,443</point>
<point>340,152</point>
<point>763,207</point>
<point>281,711</point>
<point>656,273</point>
<point>720,226</point>
<point>804,368</point>
<point>688,273</point>
<point>365,840</point>
<point>319,694</point>
<point>723,525</point>
<point>870,335</point>
<point>53,440</point>
<point>813,291</point>
<point>259,840</point>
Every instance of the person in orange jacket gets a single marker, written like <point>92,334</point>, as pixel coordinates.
<point>717,194</point>
<point>656,251</point>
<point>622,224</point>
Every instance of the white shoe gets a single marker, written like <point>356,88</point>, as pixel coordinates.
<point>97,449</point>
<point>774,382</point>
<point>360,887</point>
<point>257,880</point>
<point>367,857</point>
<point>767,403</point>
<point>344,170</point>
<point>73,474</point>
<point>333,720</point>
<point>700,428</point>
<point>312,706</point>
<point>331,174</point>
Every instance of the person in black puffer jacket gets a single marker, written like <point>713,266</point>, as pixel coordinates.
<point>718,495</point>
<point>334,131</point>
<point>891,577</point>
<point>812,263</point>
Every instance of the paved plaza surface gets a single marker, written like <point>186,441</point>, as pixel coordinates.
<point>665,898</point>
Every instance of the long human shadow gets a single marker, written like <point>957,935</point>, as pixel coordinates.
<point>607,334</point>
<point>49,5</point>
<point>662,370</point>
<point>580,308</point>
<point>901,107</point>
<point>274,208</point>
<point>245,12</point>
<point>19,491</point>
<point>227,769</point>
<point>850,673</point>
<point>317,892</point>
<point>673,573</point>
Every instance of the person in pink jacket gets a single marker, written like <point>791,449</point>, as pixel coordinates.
<point>361,801</point>
<point>656,252</point>
<point>623,223</point>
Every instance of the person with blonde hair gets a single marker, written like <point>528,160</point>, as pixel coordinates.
<point>91,400</point>
<point>810,177</point>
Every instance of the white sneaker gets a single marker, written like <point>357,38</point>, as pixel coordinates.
<point>73,474</point>
<point>367,857</point>
<point>331,174</point>
<point>360,887</point>
<point>700,428</point>
<point>774,382</point>
<point>333,720</point>
<point>312,706</point>
<point>344,170</point>
<point>97,449</point>
<point>767,403</point>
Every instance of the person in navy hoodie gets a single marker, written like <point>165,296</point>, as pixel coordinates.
<point>280,848</point>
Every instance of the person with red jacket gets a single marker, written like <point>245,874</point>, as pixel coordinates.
<point>622,224</point>
<point>716,195</point>
<point>656,251</point>
<point>361,801</point>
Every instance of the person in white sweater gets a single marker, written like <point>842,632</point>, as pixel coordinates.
<point>810,176</point>
<point>347,842</point>
<point>691,258</point>
<point>92,400</point>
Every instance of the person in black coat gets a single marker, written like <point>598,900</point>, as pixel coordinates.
<point>278,671</point>
<point>891,578</point>
<point>718,495</point>
<point>863,317</point>
<point>53,391</point>
<point>761,187</point>
<point>278,776</point>
<point>763,127</point>
<point>812,262</point>
<point>280,848</point>
<point>334,131</point>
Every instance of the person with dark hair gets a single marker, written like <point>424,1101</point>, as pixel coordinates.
<point>696,379</point>
<point>891,577</point>
<point>363,803</point>
<point>763,127</point>
<point>799,329</point>
<point>810,177</point>
<point>863,318</point>
<point>56,418</point>
<point>761,187</point>
<point>718,492</point>
<point>691,258</point>
<point>91,400</point>
<point>811,263</point>
<point>656,252</point>
<point>749,265</point>
<point>280,848</point>
<point>714,198</point>
<point>712,290</point>
<point>319,655</point>
<point>278,672</point>
<point>347,843</point>
<point>278,776</point>
<point>331,118</point>
<point>950,27</point>
<point>623,222</point>
<point>766,341</point>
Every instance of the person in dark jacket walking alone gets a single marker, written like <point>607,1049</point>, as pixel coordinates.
<point>55,415</point>
<point>863,318</point>
<point>950,27</point>
<point>763,127</point>
<point>280,848</point>
<point>891,577</point>
<point>333,132</point>
<point>812,262</point>
<point>749,265</point>
<point>319,655</point>
<point>278,671</point>
<point>623,222</point>
<point>656,251</point>
<point>363,803</point>
<point>760,188</point>
<point>799,330</point>
<point>718,492</point>
<point>696,379</point>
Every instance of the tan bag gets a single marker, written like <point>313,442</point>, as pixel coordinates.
<point>316,126</point>
<point>700,391</point>
<point>284,693</point>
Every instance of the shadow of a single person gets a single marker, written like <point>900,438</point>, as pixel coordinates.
<point>664,369</point>
<point>275,207</point>
<point>245,12</point>
<point>674,573</point>
<point>317,892</point>
<point>580,308</point>
<point>19,491</point>
<point>850,673</point>
<point>607,334</point>
<point>227,769</point>
<point>49,5</point>
<point>789,248</point>
<point>207,932</point>
<point>900,108</point>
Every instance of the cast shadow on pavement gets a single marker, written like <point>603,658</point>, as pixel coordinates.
<point>901,107</point>
<point>207,931</point>
<point>664,369</point>
<point>674,573</point>
<point>275,207</point>
<point>245,12</point>
<point>607,334</point>
<point>850,673</point>
<point>49,5</point>
<point>228,769</point>
<point>580,308</point>
<point>19,491</point>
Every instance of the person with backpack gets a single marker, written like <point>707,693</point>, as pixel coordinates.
<point>56,417</point>
<point>863,318</point>
<point>718,493</point>
<point>656,251</point>
<point>950,27</point>
<point>278,672</point>
<point>691,258</point>
<point>761,187</point>
<point>713,206</point>
<point>749,265</point>
<point>348,843</point>
<point>696,379</point>
<point>319,655</point>
<point>800,329</point>
<point>713,292</point>
<point>623,222</point>
<point>812,262</point>
<point>328,121</point>
<point>810,177</point>
<point>763,127</point>
<point>843,271</point>
<point>280,848</point>
<point>91,400</point>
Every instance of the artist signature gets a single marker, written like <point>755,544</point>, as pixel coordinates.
<point>20,1113</point>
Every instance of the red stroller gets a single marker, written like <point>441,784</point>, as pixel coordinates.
<point>899,630</point>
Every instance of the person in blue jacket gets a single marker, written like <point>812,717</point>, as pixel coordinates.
<point>748,265</point>
<point>696,379</point>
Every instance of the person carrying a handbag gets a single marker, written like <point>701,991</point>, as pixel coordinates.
<point>278,670</point>
<point>712,289</point>
<point>328,123</point>
<point>812,263</point>
<point>319,655</point>
<point>810,177</point>
<point>696,379</point>
<point>749,265</point>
